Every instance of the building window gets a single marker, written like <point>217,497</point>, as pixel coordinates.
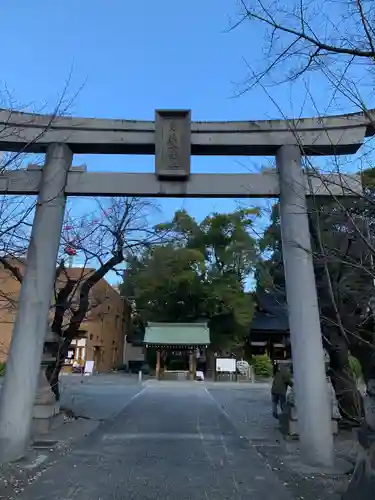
<point>91,336</point>
<point>117,317</point>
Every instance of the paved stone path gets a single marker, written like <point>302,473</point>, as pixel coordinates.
<point>99,397</point>
<point>171,442</point>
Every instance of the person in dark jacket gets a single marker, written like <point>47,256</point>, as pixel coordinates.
<point>281,381</point>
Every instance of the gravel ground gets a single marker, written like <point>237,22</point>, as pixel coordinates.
<point>167,440</point>
<point>168,443</point>
<point>97,399</point>
<point>249,409</point>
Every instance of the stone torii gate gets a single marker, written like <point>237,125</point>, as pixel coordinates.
<point>172,137</point>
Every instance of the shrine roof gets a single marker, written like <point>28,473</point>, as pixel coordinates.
<point>177,334</point>
<point>271,314</point>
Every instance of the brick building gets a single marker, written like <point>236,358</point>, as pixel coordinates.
<point>101,335</point>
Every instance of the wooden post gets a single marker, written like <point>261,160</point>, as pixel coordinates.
<point>194,365</point>
<point>191,365</point>
<point>158,364</point>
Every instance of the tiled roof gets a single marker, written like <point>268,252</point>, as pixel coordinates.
<point>272,313</point>
<point>269,323</point>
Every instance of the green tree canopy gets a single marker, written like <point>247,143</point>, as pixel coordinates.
<point>200,276</point>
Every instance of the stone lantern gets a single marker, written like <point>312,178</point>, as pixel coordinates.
<point>46,408</point>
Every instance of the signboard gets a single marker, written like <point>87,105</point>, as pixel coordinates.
<point>89,367</point>
<point>172,144</point>
<point>227,365</point>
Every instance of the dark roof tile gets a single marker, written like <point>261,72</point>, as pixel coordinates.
<point>272,313</point>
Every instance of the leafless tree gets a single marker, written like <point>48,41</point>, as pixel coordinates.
<point>345,276</point>
<point>101,241</point>
<point>333,39</point>
<point>330,45</point>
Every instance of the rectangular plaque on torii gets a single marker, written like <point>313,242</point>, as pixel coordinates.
<point>172,144</point>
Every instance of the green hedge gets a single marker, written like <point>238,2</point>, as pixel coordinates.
<point>355,367</point>
<point>262,365</point>
<point>2,369</point>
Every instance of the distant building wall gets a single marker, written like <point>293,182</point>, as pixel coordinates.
<point>133,353</point>
<point>101,333</point>
<point>9,292</point>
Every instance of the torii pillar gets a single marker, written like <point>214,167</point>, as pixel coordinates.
<point>23,364</point>
<point>172,137</point>
<point>314,409</point>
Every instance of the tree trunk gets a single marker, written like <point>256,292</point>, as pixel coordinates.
<point>362,484</point>
<point>60,351</point>
<point>348,396</point>
<point>365,354</point>
<point>53,374</point>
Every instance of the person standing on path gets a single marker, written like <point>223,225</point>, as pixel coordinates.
<point>281,381</point>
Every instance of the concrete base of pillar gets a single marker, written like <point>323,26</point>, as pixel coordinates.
<point>45,418</point>
<point>340,467</point>
<point>288,422</point>
<point>289,427</point>
<point>46,409</point>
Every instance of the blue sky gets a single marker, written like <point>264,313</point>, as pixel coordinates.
<point>127,58</point>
